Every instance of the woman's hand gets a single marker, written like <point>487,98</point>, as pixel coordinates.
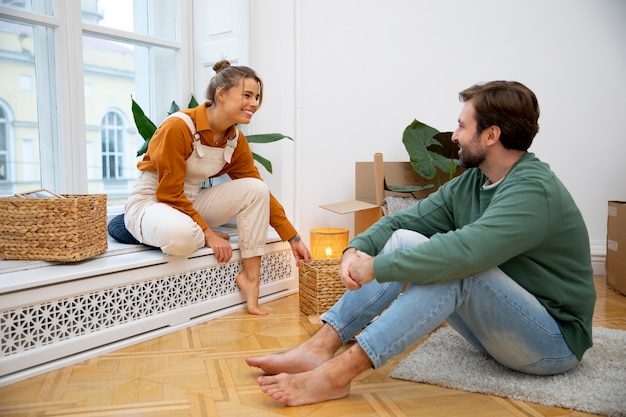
<point>299,249</point>
<point>219,242</point>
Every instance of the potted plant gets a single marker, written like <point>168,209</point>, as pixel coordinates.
<point>146,129</point>
<point>432,154</point>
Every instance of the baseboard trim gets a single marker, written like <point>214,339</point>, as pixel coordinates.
<point>598,257</point>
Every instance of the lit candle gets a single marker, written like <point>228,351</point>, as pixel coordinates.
<point>328,242</point>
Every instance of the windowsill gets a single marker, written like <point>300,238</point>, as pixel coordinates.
<point>18,275</point>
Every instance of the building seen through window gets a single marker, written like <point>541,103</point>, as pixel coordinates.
<point>112,137</point>
<point>118,61</point>
<point>4,148</point>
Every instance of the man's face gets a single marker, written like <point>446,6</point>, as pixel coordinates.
<point>471,150</point>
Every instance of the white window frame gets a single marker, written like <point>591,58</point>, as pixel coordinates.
<point>65,167</point>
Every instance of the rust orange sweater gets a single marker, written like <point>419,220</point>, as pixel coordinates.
<point>167,154</point>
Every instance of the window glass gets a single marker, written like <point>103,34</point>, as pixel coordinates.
<point>146,17</point>
<point>35,6</point>
<point>115,72</point>
<point>25,49</point>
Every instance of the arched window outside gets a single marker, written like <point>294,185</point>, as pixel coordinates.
<point>112,140</point>
<point>4,146</point>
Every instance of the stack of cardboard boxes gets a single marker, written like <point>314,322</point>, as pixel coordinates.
<point>370,191</point>
<point>616,246</point>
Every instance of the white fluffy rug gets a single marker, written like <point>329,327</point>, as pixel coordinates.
<point>597,385</point>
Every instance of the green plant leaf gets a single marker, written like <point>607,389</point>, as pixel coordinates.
<point>438,160</point>
<point>452,167</point>
<point>266,137</point>
<point>430,149</point>
<point>145,126</point>
<point>173,108</point>
<point>447,153</point>
<point>192,102</point>
<point>448,148</point>
<point>144,147</point>
<point>417,137</point>
<point>407,188</point>
<point>266,163</point>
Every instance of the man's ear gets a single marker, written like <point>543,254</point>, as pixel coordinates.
<point>493,134</point>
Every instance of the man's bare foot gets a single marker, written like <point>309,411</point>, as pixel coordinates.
<point>292,361</point>
<point>304,357</point>
<point>328,381</point>
<point>309,387</point>
<point>250,290</point>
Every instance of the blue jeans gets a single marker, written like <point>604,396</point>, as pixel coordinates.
<point>489,309</point>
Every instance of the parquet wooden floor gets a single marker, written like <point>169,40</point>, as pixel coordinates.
<point>200,372</point>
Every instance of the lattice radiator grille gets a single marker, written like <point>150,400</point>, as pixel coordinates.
<point>37,325</point>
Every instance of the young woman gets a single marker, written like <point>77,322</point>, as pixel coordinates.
<point>169,209</point>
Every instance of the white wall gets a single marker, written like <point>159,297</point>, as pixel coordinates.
<point>346,77</point>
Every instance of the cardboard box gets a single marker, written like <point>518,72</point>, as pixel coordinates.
<point>616,246</point>
<point>370,179</point>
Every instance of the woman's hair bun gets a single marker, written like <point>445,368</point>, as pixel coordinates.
<point>220,65</point>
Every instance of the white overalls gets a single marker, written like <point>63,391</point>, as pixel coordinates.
<point>161,225</point>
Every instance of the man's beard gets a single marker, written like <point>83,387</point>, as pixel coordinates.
<point>472,156</point>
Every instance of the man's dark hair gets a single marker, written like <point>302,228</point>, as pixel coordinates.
<point>511,106</point>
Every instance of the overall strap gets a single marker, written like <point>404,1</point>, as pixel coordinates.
<point>187,120</point>
<point>231,143</point>
<point>192,127</point>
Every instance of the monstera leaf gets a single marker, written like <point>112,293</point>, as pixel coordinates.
<point>430,149</point>
<point>146,129</point>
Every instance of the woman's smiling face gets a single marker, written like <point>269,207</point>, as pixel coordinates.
<point>242,101</point>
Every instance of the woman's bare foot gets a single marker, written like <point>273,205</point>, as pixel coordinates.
<point>250,290</point>
<point>305,357</point>
<point>221,234</point>
<point>309,387</point>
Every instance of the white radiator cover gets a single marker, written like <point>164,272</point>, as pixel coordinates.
<point>60,318</point>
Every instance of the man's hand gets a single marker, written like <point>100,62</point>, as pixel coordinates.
<point>356,269</point>
<point>362,268</point>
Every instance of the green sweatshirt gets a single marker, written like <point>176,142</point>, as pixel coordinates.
<point>528,225</point>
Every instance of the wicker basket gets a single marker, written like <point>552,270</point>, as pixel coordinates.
<point>53,229</point>
<point>320,286</point>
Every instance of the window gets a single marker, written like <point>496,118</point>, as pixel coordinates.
<point>38,6</point>
<point>24,63</point>
<point>75,114</point>
<point>4,149</point>
<point>112,139</point>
